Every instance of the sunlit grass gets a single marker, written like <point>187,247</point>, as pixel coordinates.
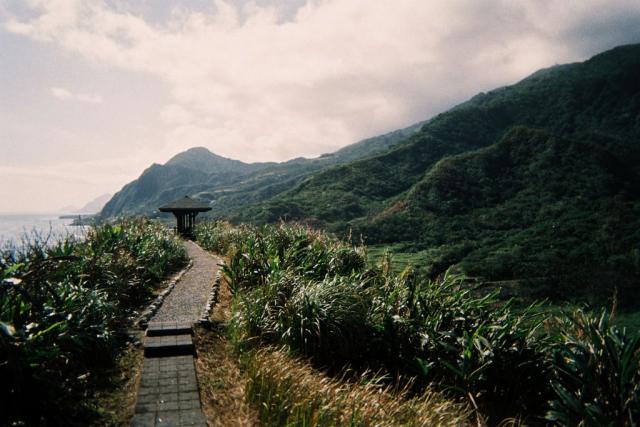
<point>319,298</point>
<point>288,391</point>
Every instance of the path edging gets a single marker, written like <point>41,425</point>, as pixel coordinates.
<point>213,298</point>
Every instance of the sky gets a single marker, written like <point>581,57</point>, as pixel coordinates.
<point>93,92</point>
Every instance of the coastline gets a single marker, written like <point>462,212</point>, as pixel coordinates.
<point>16,228</point>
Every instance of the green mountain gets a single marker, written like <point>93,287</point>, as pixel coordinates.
<point>535,179</point>
<point>185,173</point>
<point>230,184</point>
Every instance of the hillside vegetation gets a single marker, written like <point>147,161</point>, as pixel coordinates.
<point>536,183</point>
<point>316,296</point>
<point>536,180</point>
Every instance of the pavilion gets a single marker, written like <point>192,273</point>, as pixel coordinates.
<point>185,211</point>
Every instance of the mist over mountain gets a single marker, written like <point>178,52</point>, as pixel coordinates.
<point>91,207</point>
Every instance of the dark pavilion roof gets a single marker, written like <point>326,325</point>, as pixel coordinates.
<point>185,204</point>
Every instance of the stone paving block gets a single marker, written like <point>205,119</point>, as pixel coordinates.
<point>189,395</point>
<point>144,420</point>
<point>168,418</point>
<point>149,382</point>
<point>189,404</point>
<point>170,345</point>
<point>186,377</point>
<point>147,398</point>
<point>192,417</point>
<point>171,405</point>
<point>165,396</point>
<point>158,328</point>
<point>167,382</point>
<point>168,392</point>
<point>187,387</point>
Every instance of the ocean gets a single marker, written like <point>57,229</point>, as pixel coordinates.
<point>15,227</point>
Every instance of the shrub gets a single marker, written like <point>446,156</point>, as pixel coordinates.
<point>61,305</point>
<point>472,345</point>
<point>310,292</point>
<point>596,373</point>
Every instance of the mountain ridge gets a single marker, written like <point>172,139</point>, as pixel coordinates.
<point>227,183</point>
<point>476,123</point>
<point>568,137</point>
<point>584,115</point>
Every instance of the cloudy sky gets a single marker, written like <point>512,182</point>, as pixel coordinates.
<point>93,92</point>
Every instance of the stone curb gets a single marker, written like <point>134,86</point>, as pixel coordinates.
<point>152,309</point>
<point>213,298</point>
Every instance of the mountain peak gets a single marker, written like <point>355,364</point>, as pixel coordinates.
<point>201,159</point>
<point>195,153</point>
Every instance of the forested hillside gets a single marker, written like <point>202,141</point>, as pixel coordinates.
<point>536,179</point>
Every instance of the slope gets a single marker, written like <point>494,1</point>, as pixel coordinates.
<point>600,96</point>
<point>539,179</point>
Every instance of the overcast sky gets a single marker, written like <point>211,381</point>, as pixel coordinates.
<point>93,92</point>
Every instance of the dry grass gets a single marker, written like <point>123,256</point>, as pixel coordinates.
<point>222,385</point>
<point>221,312</point>
<point>290,392</point>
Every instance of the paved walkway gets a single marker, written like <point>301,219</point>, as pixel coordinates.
<point>187,300</point>
<point>168,394</point>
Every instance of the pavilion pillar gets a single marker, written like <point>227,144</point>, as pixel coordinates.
<point>185,210</point>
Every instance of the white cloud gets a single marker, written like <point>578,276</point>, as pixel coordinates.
<point>260,88</point>
<point>66,95</point>
<point>248,84</point>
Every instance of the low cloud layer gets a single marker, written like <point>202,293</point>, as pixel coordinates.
<point>66,95</point>
<point>271,81</point>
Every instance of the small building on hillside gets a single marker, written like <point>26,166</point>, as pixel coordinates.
<point>185,210</point>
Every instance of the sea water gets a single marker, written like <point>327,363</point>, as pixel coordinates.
<point>16,228</point>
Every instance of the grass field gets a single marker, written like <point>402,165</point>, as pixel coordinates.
<point>399,259</point>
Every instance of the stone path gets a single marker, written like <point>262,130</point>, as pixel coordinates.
<point>187,300</point>
<point>168,394</point>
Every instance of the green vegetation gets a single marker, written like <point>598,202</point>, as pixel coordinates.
<point>398,256</point>
<point>596,373</point>
<point>536,182</point>
<point>317,296</point>
<point>63,306</point>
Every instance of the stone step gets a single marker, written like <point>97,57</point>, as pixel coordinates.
<point>169,345</point>
<point>156,329</point>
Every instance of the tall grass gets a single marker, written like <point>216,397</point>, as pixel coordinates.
<point>61,306</point>
<point>289,392</point>
<point>317,296</point>
<point>596,373</point>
